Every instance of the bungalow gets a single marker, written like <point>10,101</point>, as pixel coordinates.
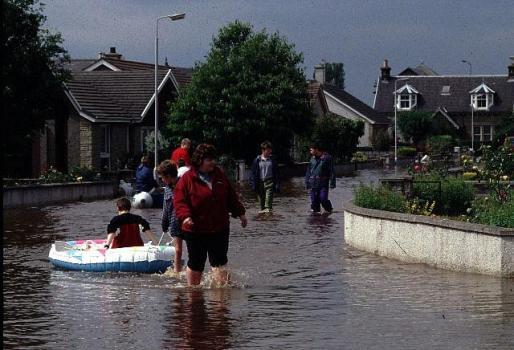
<point>345,105</point>
<point>112,108</point>
<point>469,105</point>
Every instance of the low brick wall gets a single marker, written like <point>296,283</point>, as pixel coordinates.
<point>44,194</point>
<point>442,243</point>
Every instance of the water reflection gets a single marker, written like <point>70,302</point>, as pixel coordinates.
<point>199,319</point>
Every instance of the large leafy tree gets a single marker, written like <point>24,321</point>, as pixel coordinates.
<point>249,89</point>
<point>334,74</point>
<point>337,135</point>
<point>415,125</point>
<point>32,72</point>
<point>504,128</point>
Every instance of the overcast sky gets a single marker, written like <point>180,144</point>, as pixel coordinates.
<point>358,33</point>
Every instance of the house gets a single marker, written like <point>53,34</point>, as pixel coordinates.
<point>465,105</point>
<point>339,102</point>
<point>111,108</point>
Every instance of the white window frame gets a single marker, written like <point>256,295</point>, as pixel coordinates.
<point>409,99</point>
<point>480,136</point>
<point>145,130</point>
<point>482,101</point>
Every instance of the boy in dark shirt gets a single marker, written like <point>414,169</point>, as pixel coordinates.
<point>128,226</point>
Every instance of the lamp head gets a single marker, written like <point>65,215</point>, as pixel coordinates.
<point>176,16</point>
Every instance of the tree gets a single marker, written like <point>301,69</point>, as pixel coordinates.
<point>415,125</point>
<point>249,89</point>
<point>32,72</point>
<point>334,74</point>
<point>504,128</point>
<point>337,135</point>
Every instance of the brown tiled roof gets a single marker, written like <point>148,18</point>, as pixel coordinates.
<point>458,99</point>
<point>355,104</point>
<point>109,95</point>
<point>183,75</point>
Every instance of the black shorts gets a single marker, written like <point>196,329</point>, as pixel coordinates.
<point>201,245</point>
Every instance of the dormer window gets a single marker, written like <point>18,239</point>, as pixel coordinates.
<point>406,97</point>
<point>482,97</point>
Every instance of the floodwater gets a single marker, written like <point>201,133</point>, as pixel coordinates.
<point>296,286</point>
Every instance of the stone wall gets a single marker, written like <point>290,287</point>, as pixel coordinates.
<point>40,195</point>
<point>442,243</point>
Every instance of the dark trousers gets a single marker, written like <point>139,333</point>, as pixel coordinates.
<point>319,196</point>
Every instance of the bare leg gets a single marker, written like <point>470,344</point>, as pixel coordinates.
<point>221,275</point>
<point>177,264</point>
<point>193,277</point>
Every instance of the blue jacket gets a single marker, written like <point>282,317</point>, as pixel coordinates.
<point>144,179</point>
<point>320,172</point>
<point>255,176</point>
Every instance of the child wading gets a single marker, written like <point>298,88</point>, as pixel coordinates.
<point>168,173</point>
<point>264,178</point>
<point>319,177</point>
<point>128,226</point>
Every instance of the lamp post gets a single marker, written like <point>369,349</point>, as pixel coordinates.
<point>395,114</point>
<point>174,17</point>
<point>472,109</point>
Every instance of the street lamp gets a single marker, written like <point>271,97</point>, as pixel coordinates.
<point>174,17</point>
<point>395,113</point>
<point>470,67</point>
<point>472,110</point>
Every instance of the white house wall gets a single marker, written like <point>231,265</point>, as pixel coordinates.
<point>337,108</point>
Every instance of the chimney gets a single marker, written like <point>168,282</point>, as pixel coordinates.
<point>511,69</point>
<point>385,71</point>
<point>112,54</point>
<point>319,72</point>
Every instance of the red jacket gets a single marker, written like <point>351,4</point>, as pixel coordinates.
<point>181,153</point>
<point>209,209</point>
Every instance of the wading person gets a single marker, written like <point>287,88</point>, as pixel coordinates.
<point>123,230</point>
<point>319,177</point>
<point>182,152</point>
<point>168,173</point>
<point>264,177</point>
<point>204,199</point>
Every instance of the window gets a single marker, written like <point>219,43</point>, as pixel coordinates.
<point>445,90</point>
<point>105,147</point>
<point>480,101</point>
<point>406,97</point>
<point>145,131</point>
<point>482,97</point>
<point>483,133</point>
<point>406,101</point>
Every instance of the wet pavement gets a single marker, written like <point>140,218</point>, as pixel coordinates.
<point>296,285</point>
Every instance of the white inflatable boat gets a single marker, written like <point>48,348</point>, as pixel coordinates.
<point>90,255</point>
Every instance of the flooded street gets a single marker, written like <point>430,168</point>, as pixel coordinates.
<point>296,286</point>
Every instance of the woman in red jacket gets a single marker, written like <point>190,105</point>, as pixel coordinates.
<point>203,201</point>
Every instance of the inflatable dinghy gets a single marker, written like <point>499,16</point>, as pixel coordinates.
<point>90,255</point>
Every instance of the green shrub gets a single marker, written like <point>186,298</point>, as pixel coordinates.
<point>52,175</point>
<point>452,196</point>
<point>380,140</point>
<point>381,198</point>
<point>440,144</point>
<point>469,175</point>
<point>407,151</point>
<point>359,157</point>
<point>80,174</point>
<point>490,212</point>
